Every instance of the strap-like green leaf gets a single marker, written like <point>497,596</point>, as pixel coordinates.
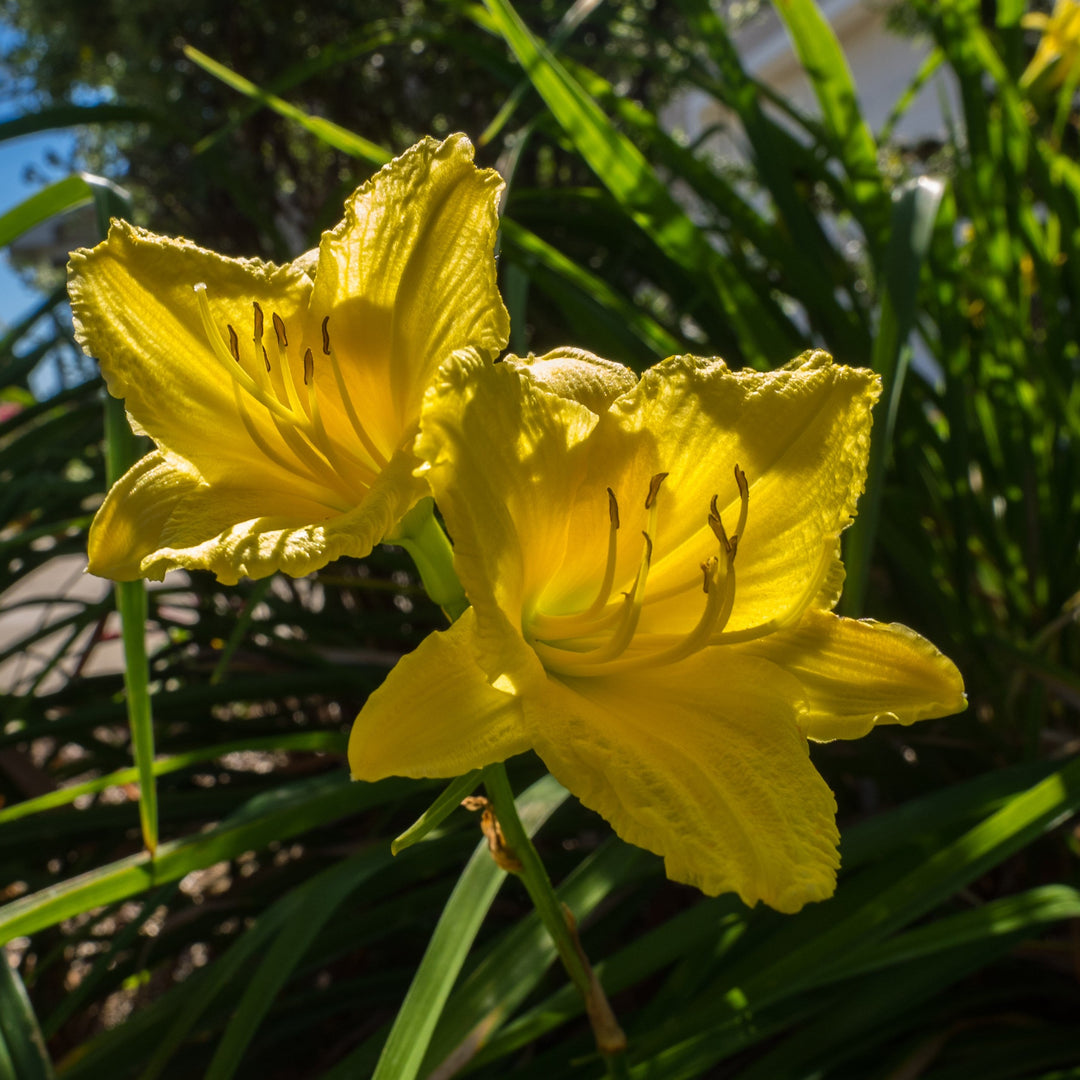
<point>437,812</point>
<point>915,209</point>
<point>330,133</point>
<point>58,198</point>
<point>315,902</point>
<point>289,810</point>
<point>23,1055</point>
<point>65,116</point>
<point>823,60</point>
<point>450,943</point>
<point>645,198</point>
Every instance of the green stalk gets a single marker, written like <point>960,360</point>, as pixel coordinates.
<point>421,535</point>
<point>558,920</point>
<point>121,451</point>
<point>423,538</point>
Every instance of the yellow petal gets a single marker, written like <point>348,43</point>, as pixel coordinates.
<point>504,458</point>
<point>704,764</point>
<point>436,714</point>
<point>577,374</point>
<point>859,673</point>
<point>801,435</point>
<point>136,311</point>
<point>408,278</point>
<point>128,525</point>
<point>227,531</point>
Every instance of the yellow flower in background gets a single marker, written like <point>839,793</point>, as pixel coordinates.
<point>652,566</point>
<point>1057,57</point>
<point>284,400</point>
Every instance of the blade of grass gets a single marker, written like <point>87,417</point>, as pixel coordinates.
<point>948,869</point>
<point>574,16</point>
<point>521,244</point>
<point>1025,914</point>
<point>67,194</point>
<point>513,968</point>
<point>825,64</point>
<point>240,628</point>
<point>77,999</point>
<point>65,116</point>
<point>368,39</point>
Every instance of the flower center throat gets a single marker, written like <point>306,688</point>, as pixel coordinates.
<point>603,639</point>
<point>335,457</point>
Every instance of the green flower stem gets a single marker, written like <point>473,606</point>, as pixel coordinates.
<point>421,535</point>
<point>423,538</point>
<point>610,1040</point>
<point>121,451</point>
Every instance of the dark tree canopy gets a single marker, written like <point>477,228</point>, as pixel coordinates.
<point>391,70</point>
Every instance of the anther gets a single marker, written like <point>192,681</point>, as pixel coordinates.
<point>744,487</point>
<point>708,568</point>
<point>309,367</point>
<point>279,329</point>
<point>654,488</point>
<point>326,336</point>
<point>719,531</point>
<point>266,359</point>
<point>613,508</point>
<point>234,342</point>
<point>258,321</point>
<point>744,508</point>
<point>648,547</point>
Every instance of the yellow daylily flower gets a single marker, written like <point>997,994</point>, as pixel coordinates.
<point>652,567</point>
<point>1057,57</point>
<point>284,400</point>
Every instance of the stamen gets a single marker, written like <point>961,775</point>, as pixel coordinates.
<point>654,489</point>
<point>720,590</point>
<point>577,663</point>
<point>313,486</point>
<point>631,611</point>
<point>719,531</point>
<point>574,645</point>
<point>608,579</point>
<point>744,506</point>
<point>341,459</point>
<point>793,613</point>
<point>350,411</point>
<point>279,329</point>
<point>304,434</point>
<point>235,371</point>
<point>326,336</point>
